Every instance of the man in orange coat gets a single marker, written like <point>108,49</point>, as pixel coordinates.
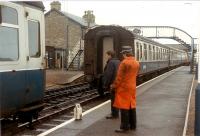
<point>125,86</point>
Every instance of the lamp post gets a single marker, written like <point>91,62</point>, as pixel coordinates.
<point>192,55</point>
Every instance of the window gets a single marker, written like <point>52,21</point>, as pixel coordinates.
<point>9,37</point>
<point>168,54</point>
<point>154,54</point>
<point>150,53</point>
<point>145,52</point>
<point>141,51</point>
<point>34,38</point>
<point>9,15</point>
<point>158,49</point>
<point>138,51</point>
<point>161,53</point>
<point>8,44</point>
<point>164,54</point>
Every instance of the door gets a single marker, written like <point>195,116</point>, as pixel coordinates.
<point>35,57</point>
<point>107,45</point>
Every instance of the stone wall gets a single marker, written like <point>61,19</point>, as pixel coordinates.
<point>56,30</point>
<point>62,33</point>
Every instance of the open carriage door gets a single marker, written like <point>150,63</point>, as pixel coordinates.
<point>107,45</point>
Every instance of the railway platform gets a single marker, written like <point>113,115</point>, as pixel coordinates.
<point>61,77</point>
<point>162,110</point>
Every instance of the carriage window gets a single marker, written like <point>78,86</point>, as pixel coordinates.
<point>34,38</point>
<point>138,51</point>
<point>158,53</point>
<point>9,15</point>
<point>9,45</point>
<point>141,51</point>
<point>145,52</point>
<point>154,55</point>
<point>158,56</point>
<point>150,53</point>
<point>163,55</point>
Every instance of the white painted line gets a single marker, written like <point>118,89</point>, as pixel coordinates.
<point>188,109</point>
<point>94,108</point>
<point>71,120</point>
<point>57,127</point>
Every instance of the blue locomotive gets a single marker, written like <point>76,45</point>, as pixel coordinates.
<point>22,51</point>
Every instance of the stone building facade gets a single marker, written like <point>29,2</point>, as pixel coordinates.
<point>64,34</point>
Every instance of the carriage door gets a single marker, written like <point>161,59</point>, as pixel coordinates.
<point>107,45</point>
<point>35,53</point>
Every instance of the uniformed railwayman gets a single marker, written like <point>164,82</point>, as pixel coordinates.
<point>125,87</point>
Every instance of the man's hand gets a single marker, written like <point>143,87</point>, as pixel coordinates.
<point>112,87</point>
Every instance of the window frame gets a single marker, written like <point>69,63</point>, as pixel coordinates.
<point>39,39</point>
<point>0,15</point>
<point>150,52</point>
<point>8,25</point>
<point>145,52</point>
<point>138,51</point>
<point>141,52</point>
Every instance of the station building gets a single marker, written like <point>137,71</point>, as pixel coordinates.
<point>64,36</point>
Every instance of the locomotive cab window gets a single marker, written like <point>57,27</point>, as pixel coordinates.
<point>8,15</point>
<point>34,38</point>
<point>9,39</point>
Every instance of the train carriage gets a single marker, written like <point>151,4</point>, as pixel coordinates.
<point>153,56</point>
<point>22,50</point>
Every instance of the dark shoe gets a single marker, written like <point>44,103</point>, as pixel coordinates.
<point>132,128</point>
<point>121,130</point>
<point>111,117</point>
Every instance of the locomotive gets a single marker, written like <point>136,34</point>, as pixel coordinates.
<point>153,56</point>
<point>22,52</point>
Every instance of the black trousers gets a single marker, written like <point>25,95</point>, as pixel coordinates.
<point>128,119</point>
<point>114,111</point>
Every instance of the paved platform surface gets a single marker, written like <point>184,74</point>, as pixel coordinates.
<point>60,77</point>
<point>161,110</point>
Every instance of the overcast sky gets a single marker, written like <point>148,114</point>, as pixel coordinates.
<point>181,14</point>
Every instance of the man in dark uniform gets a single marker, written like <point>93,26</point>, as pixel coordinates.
<point>109,75</point>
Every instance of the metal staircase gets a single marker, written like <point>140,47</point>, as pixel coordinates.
<point>76,56</point>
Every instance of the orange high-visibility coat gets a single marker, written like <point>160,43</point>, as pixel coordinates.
<point>125,84</point>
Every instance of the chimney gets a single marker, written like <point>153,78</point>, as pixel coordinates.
<point>89,17</point>
<point>56,5</point>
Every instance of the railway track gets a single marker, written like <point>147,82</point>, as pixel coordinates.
<point>59,108</point>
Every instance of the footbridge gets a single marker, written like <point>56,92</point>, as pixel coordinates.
<point>168,32</point>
